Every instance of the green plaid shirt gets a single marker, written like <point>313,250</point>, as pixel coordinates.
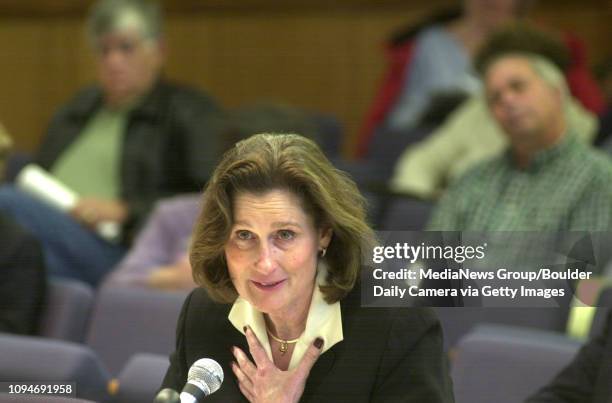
<point>566,187</point>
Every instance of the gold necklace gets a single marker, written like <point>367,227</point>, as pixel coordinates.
<point>284,344</point>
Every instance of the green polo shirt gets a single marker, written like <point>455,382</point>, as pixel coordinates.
<point>91,165</point>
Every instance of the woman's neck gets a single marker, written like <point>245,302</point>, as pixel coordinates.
<point>290,323</point>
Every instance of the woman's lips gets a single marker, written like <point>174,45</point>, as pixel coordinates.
<point>268,285</point>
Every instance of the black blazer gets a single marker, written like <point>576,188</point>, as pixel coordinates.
<point>387,355</point>
<point>588,378</point>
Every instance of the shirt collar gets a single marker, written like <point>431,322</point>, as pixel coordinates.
<point>544,157</point>
<point>148,105</point>
<point>324,320</point>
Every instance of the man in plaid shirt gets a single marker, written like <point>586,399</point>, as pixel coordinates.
<point>547,180</point>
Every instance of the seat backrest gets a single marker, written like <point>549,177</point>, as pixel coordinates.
<point>405,214</point>
<point>67,309</point>
<point>126,321</point>
<point>457,322</point>
<point>492,361</point>
<point>386,147</point>
<point>36,359</point>
<point>329,134</point>
<point>141,378</point>
<point>266,117</point>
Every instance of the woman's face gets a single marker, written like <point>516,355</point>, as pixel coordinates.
<point>272,251</point>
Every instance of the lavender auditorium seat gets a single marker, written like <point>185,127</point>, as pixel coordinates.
<point>405,214</point>
<point>492,361</point>
<point>126,321</point>
<point>35,359</point>
<point>457,322</point>
<point>387,146</point>
<point>328,134</point>
<point>67,309</point>
<point>141,378</point>
<point>365,173</point>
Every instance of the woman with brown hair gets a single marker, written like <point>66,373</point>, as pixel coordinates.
<point>281,237</point>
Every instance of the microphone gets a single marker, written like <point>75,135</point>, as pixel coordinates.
<point>204,378</point>
<point>167,395</point>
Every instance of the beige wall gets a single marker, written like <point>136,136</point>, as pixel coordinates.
<point>310,54</point>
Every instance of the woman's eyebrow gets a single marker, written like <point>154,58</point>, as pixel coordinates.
<point>277,224</point>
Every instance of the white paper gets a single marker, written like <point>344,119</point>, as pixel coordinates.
<point>45,187</point>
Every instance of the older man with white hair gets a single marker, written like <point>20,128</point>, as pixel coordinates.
<point>547,179</point>
<point>120,145</point>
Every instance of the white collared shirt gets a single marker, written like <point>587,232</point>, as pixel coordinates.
<point>324,320</point>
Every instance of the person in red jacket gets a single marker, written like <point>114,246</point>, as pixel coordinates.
<point>433,59</point>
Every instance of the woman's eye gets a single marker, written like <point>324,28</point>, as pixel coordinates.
<point>243,235</point>
<point>286,235</point>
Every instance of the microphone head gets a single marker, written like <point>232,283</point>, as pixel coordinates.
<point>208,372</point>
<point>167,395</point>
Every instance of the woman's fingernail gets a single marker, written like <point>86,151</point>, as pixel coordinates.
<point>318,343</point>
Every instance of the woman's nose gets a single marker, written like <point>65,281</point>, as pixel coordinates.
<point>265,261</point>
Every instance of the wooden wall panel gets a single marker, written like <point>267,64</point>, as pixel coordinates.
<point>325,62</point>
<point>311,55</point>
<point>590,22</point>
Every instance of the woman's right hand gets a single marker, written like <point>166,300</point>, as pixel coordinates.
<point>263,382</point>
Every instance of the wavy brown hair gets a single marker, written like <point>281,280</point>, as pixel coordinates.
<point>266,162</point>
